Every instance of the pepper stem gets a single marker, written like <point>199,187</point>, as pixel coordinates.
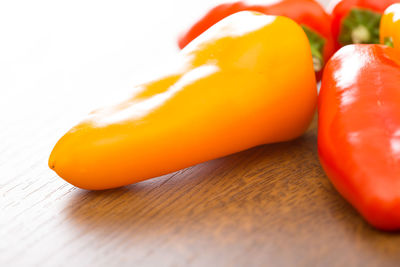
<point>318,64</point>
<point>361,26</point>
<point>360,35</point>
<point>388,41</point>
<point>317,43</point>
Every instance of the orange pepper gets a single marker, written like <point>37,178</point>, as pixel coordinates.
<point>390,26</point>
<point>246,81</point>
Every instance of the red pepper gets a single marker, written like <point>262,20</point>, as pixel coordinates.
<point>308,13</point>
<point>357,21</point>
<point>359,130</point>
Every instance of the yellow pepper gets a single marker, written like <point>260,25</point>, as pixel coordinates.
<point>246,81</point>
<point>390,26</point>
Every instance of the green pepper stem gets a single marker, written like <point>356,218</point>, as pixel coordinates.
<point>360,26</point>
<point>388,41</point>
<point>317,44</point>
<point>360,35</point>
<point>318,64</point>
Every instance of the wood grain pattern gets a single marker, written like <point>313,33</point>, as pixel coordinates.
<point>271,205</point>
<point>268,206</point>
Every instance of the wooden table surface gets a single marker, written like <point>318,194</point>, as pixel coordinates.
<point>268,206</point>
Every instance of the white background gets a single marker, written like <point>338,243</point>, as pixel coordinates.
<point>55,53</point>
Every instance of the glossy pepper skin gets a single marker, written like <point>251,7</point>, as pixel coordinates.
<point>231,93</point>
<point>308,13</point>
<point>359,130</point>
<point>390,26</point>
<point>357,21</point>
